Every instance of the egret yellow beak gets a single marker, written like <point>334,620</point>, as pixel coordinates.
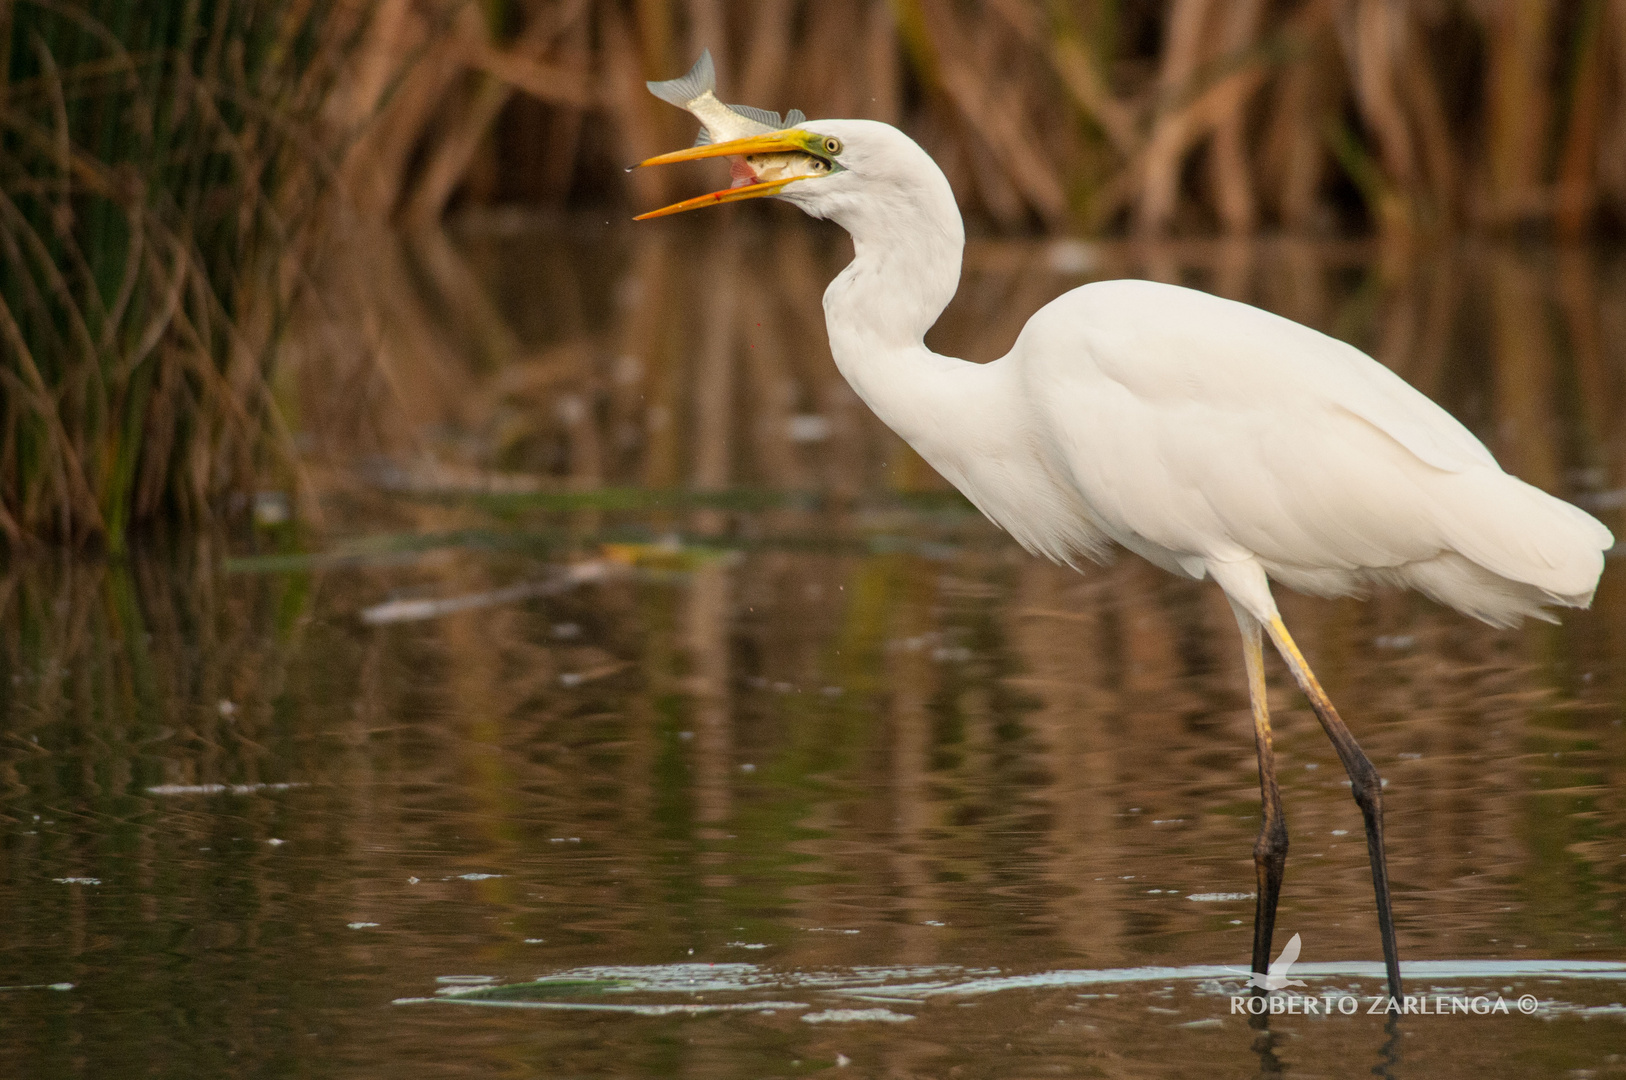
<point>790,141</point>
<point>745,191</point>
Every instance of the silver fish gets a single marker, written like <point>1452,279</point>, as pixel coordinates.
<point>696,92</point>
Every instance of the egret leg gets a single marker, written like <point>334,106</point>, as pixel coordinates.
<point>1365,784</point>
<point>1270,850</point>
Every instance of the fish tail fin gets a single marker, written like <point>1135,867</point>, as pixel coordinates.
<point>701,79</point>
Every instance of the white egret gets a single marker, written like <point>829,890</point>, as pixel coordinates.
<point>1212,438</point>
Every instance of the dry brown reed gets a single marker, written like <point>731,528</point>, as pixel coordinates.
<point>1157,116</point>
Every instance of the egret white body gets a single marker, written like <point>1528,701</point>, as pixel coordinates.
<point>1211,437</point>
<point>1214,439</point>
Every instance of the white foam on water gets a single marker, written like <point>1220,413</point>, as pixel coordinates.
<point>594,1006</point>
<point>218,789</point>
<point>856,1016</point>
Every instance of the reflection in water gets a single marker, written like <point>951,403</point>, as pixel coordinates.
<point>822,733</point>
<point>597,355</point>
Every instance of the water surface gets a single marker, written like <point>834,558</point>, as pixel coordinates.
<point>646,710</point>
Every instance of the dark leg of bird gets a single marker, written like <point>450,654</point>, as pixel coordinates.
<point>1365,784</point>
<point>1270,850</point>
<point>1264,1044</point>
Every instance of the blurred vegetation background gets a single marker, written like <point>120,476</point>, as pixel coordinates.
<point>181,182</point>
<point>1322,116</point>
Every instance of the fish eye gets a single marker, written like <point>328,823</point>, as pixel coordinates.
<point>832,145</point>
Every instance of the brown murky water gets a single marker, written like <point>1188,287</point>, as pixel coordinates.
<point>676,722</point>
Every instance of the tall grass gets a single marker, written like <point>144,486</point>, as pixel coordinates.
<point>159,166</point>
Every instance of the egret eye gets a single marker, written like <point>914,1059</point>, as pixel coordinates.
<point>832,145</point>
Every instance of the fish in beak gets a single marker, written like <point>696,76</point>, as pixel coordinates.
<point>696,93</point>
<point>772,161</point>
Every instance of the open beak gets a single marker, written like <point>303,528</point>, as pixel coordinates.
<point>791,141</point>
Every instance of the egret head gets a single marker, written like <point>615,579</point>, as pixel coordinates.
<point>845,170</point>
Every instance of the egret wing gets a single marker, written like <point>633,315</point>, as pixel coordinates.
<point>1218,431</point>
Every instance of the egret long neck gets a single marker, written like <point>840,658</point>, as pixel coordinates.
<point>905,269</point>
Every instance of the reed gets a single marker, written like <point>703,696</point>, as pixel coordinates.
<point>163,168</point>
<point>159,167</point>
<point>1153,116</point>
